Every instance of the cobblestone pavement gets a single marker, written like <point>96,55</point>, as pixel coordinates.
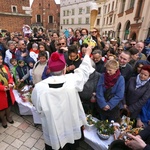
<point>24,135</point>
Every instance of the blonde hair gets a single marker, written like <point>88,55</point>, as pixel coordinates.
<point>98,37</point>
<point>113,64</point>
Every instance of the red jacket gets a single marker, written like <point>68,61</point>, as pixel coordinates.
<point>3,95</point>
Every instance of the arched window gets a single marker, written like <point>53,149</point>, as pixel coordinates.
<point>14,9</point>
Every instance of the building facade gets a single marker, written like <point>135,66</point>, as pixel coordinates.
<point>133,19</point>
<point>75,14</point>
<point>107,13</point>
<point>14,14</point>
<point>46,15</point>
<point>127,19</point>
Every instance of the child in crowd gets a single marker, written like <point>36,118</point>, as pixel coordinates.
<point>14,63</point>
<point>73,61</point>
<point>34,52</point>
<point>22,74</point>
<point>31,65</point>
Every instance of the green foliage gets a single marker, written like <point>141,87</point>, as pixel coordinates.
<point>105,127</point>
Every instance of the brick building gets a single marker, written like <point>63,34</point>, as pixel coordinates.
<point>13,14</point>
<point>46,15</point>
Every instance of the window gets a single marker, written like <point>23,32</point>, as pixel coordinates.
<point>105,9</point>
<point>132,3</point>
<point>67,21</point>
<point>88,10</point>
<point>104,21</point>
<point>123,6</point>
<point>112,8</point>
<point>64,21</point>
<point>38,18</point>
<point>108,7</point>
<point>14,9</point>
<point>107,21</point>
<point>87,20</point>
<point>51,19</point>
<point>72,11</point>
<point>114,18</point>
<point>98,21</point>
<point>79,20</point>
<point>116,3</point>
<point>139,9</point>
<point>67,12</point>
<point>72,21</point>
<point>64,13</point>
<point>110,20</point>
<point>80,10</point>
<point>99,10</point>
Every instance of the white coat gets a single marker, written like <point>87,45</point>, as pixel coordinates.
<point>61,109</point>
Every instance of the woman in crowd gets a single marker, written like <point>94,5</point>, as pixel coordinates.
<point>44,47</point>
<point>138,66</point>
<point>110,92</point>
<point>6,93</point>
<point>54,38</point>
<point>137,92</point>
<point>78,34</point>
<point>96,37</point>
<point>39,67</point>
<point>10,53</point>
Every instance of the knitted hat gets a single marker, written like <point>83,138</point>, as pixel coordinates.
<point>34,45</point>
<point>56,62</point>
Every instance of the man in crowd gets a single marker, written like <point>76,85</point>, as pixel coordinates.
<point>57,101</point>
<point>140,47</point>
<point>125,68</point>
<point>97,58</point>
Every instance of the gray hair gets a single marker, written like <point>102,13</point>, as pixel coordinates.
<point>11,42</point>
<point>57,73</point>
<point>97,51</point>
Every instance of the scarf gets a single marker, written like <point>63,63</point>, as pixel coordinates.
<point>110,80</point>
<point>3,76</point>
<point>139,82</point>
<point>13,53</point>
<point>35,51</point>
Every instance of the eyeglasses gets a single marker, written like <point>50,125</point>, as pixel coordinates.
<point>61,44</point>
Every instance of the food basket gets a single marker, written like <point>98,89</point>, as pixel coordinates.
<point>103,136</point>
<point>90,123</point>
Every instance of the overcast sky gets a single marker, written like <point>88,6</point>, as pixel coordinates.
<point>57,1</point>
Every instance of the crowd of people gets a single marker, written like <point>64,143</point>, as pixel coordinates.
<point>119,80</point>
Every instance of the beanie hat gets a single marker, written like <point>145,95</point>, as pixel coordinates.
<point>56,62</point>
<point>34,45</point>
